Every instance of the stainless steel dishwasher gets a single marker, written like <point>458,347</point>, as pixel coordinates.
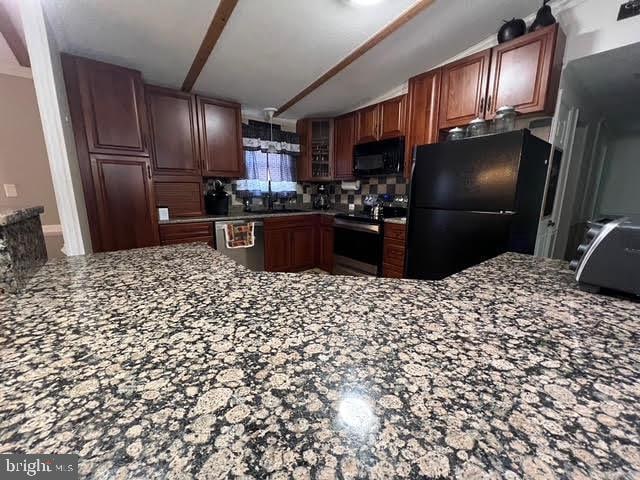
<point>252,257</point>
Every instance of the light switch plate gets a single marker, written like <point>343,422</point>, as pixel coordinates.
<point>10,190</point>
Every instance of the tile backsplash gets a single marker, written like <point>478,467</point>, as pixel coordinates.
<point>391,184</point>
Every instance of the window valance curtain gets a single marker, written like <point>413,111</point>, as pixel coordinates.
<point>267,159</point>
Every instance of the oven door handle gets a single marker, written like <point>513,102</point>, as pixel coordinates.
<point>356,226</point>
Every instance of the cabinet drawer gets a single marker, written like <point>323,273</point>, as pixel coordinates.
<point>289,221</point>
<point>186,233</point>
<point>395,231</point>
<point>393,253</point>
<point>391,271</point>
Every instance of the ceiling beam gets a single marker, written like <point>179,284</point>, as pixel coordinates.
<point>358,52</point>
<point>219,21</point>
<point>13,38</point>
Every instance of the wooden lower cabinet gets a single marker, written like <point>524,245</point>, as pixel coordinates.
<point>289,243</point>
<point>124,201</point>
<point>393,254</point>
<point>325,244</point>
<point>175,233</point>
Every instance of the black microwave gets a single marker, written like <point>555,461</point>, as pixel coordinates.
<point>385,157</point>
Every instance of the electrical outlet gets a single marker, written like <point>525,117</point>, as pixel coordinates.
<point>629,9</point>
<point>10,190</point>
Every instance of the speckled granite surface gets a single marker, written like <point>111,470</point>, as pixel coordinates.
<point>22,247</point>
<point>14,215</point>
<point>176,363</point>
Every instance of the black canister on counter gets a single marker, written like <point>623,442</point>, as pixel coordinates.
<point>216,201</point>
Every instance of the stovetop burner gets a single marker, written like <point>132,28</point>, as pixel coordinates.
<point>366,216</point>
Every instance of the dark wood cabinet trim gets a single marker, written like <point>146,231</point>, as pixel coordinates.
<point>70,72</point>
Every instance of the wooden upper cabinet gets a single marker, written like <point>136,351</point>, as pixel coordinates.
<point>463,90</point>
<point>220,138</point>
<point>113,108</point>
<point>174,131</point>
<point>124,197</point>
<point>315,162</point>
<point>422,102</point>
<point>525,72</point>
<point>392,117</point>
<point>344,129</point>
<point>367,124</point>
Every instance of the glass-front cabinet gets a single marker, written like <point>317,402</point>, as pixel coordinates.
<point>316,159</point>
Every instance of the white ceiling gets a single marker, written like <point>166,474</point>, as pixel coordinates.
<point>158,37</point>
<point>271,50</point>
<point>437,34</point>
<point>612,82</point>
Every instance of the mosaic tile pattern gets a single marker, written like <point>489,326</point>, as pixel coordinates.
<point>177,363</point>
<point>394,185</point>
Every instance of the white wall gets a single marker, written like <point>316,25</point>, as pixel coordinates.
<point>56,125</point>
<point>592,27</point>
<point>619,192</point>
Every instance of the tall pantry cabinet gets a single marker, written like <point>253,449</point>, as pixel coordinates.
<point>111,130</point>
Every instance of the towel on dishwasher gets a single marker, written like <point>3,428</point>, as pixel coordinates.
<point>239,236</point>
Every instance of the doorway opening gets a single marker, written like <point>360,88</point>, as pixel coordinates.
<point>597,127</point>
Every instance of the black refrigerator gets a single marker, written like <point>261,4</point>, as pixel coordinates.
<point>473,199</point>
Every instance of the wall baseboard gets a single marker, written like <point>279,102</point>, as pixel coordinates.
<point>51,230</point>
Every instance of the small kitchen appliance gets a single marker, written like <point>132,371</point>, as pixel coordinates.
<point>321,201</point>
<point>216,201</point>
<point>609,256</point>
<point>385,157</point>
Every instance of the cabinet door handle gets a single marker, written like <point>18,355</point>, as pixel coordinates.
<point>149,171</point>
<point>489,103</point>
<point>481,106</point>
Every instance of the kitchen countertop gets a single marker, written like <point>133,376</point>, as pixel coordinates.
<point>244,216</point>
<point>175,362</point>
<point>9,216</point>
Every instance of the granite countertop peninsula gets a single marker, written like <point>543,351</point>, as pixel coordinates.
<point>174,362</point>
<point>10,216</point>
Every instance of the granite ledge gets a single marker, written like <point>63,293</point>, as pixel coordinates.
<point>243,216</point>
<point>174,362</point>
<point>10,216</point>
